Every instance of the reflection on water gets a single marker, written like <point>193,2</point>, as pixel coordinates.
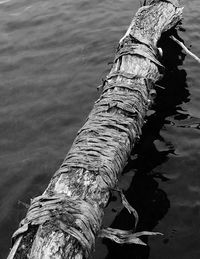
<point>52,57</point>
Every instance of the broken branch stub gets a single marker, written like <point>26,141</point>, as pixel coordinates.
<point>181,44</point>
<point>65,220</point>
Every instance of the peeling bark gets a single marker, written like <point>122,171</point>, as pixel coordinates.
<point>65,220</point>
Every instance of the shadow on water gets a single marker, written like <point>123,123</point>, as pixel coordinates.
<point>143,191</point>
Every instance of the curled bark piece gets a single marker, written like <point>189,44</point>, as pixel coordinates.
<point>125,236</point>
<point>140,50</point>
<point>185,48</point>
<point>64,221</point>
<point>126,204</point>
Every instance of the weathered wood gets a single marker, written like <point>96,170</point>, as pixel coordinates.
<point>64,221</point>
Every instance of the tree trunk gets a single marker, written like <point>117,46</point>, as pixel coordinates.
<point>65,220</point>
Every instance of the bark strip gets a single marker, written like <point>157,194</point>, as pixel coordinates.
<point>65,220</point>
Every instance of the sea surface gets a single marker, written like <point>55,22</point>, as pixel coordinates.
<point>53,55</point>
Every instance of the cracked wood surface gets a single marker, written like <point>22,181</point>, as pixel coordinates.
<point>65,220</point>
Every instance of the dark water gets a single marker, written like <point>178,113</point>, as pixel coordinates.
<point>53,54</point>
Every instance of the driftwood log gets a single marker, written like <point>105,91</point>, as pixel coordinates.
<point>65,220</point>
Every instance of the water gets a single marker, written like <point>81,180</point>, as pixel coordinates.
<point>53,54</point>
